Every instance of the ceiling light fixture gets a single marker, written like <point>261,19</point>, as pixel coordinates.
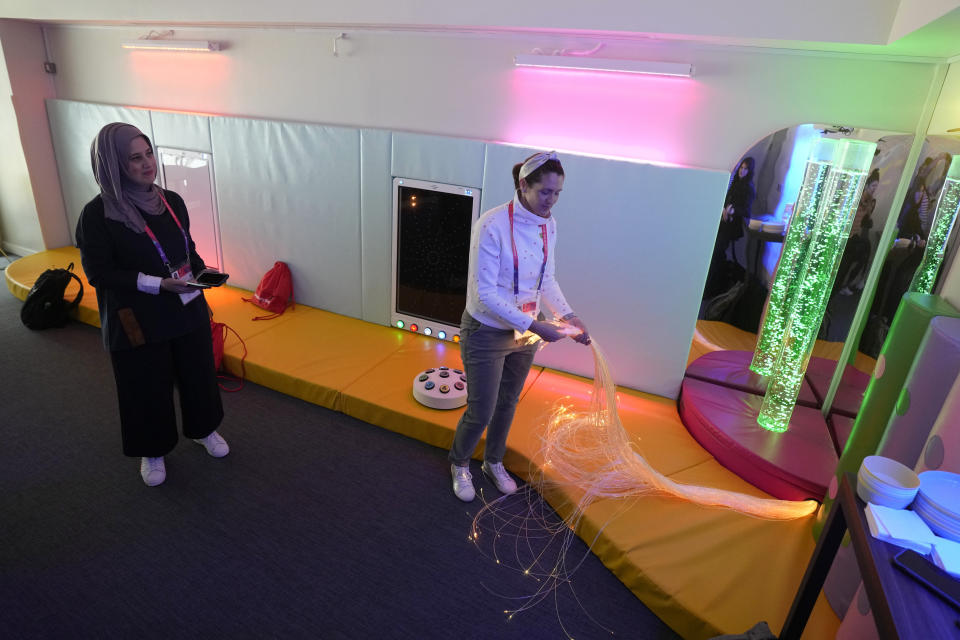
<point>171,45</point>
<point>680,69</point>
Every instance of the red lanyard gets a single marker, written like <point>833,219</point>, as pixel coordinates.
<point>516,258</point>
<point>156,243</point>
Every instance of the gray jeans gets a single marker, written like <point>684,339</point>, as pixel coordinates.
<point>496,368</point>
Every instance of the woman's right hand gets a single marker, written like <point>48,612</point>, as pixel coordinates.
<point>547,331</point>
<point>175,286</point>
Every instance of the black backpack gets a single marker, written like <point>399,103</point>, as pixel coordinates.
<point>45,307</point>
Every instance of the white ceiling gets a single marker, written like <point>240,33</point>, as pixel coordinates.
<point>903,28</point>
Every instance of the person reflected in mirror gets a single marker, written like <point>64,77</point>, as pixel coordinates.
<point>856,254</point>
<point>737,208</point>
<point>137,252</point>
<point>913,227</point>
<point>510,283</point>
<point>737,204</point>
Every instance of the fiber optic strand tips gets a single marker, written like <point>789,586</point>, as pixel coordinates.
<point>572,328</point>
<point>567,329</point>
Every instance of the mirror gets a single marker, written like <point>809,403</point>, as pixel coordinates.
<point>913,227</point>
<point>763,189</point>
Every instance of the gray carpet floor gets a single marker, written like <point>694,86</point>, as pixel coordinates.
<point>316,525</point>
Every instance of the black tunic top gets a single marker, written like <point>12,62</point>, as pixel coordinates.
<point>113,256</point>
<point>740,194</point>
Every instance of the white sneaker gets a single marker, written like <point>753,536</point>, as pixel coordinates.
<point>215,445</point>
<point>498,474</point>
<point>462,483</point>
<point>153,471</point>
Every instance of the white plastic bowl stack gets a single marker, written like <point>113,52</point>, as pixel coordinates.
<point>886,482</point>
<point>938,503</point>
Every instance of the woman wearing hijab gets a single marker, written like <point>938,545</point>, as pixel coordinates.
<point>737,206</point>
<point>135,245</point>
<point>511,272</point>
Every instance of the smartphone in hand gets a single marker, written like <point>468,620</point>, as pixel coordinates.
<point>208,278</point>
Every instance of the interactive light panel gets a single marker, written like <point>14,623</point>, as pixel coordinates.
<point>431,255</point>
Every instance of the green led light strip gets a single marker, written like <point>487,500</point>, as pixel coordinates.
<point>943,219</point>
<point>785,283</point>
<point>842,192</point>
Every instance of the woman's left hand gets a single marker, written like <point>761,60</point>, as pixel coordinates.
<point>175,286</point>
<point>584,336</point>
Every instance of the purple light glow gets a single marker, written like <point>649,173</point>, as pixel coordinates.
<point>605,114</point>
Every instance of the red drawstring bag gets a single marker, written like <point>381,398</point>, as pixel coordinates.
<point>275,291</point>
<point>218,331</point>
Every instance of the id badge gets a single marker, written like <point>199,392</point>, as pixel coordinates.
<point>184,273</point>
<point>530,308</point>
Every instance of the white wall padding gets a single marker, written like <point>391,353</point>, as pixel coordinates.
<point>942,450</point>
<point>376,220</point>
<point>633,248</point>
<point>181,131</point>
<point>291,192</point>
<point>450,160</point>
<point>924,392</point>
<point>73,126</point>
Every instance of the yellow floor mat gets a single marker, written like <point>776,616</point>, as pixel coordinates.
<point>703,571</point>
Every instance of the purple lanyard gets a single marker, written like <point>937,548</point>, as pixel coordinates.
<point>516,257</point>
<point>156,243</point>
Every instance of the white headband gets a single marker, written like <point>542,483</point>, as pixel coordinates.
<point>536,162</point>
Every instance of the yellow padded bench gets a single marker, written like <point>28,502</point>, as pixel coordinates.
<point>703,571</point>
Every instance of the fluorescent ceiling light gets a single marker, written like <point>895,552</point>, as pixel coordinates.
<point>171,45</point>
<point>604,64</point>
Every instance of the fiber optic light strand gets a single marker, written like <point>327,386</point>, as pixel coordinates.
<point>590,453</point>
<point>843,189</point>
<point>786,281</point>
<point>593,452</point>
<point>943,220</point>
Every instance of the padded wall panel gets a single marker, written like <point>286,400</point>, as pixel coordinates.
<point>181,131</point>
<point>633,248</point>
<point>497,185</point>
<point>73,126</point>
<point>291,192</point>
<point>376,219</point>
<point>924,392</point>
<point>451,160</point>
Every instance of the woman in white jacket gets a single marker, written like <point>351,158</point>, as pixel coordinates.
<point>511,280</point>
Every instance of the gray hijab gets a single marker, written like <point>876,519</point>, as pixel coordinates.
<point>123,199</point>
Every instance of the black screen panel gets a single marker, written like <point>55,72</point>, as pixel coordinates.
<point>433,251</point>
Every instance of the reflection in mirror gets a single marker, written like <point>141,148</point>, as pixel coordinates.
<point>863,241</point>
<point>753,219</point>
<point>753,222</point>
<point>915,223</point>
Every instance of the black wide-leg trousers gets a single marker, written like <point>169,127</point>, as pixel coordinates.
<point>146,377</point>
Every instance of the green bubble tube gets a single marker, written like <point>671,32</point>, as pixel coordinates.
<point>842,192</point>
<point>786,279</point>
<point>943,219</point>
